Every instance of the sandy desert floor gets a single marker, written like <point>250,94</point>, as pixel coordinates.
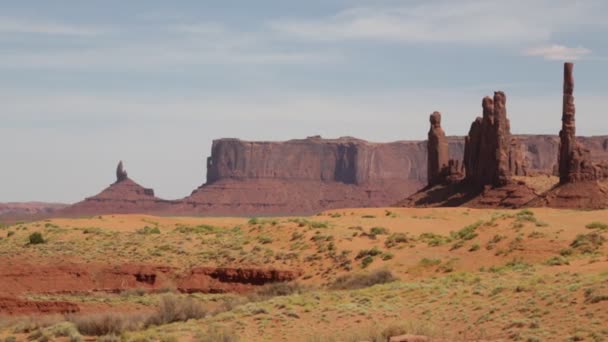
<point>461,275</point>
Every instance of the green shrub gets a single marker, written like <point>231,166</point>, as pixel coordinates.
<point>395,239</point>
<point>597,225</point>
<point>588,243</point>
<point>468,232</point>
<point>378,231</point>
<point>387,256</point>
<point>263,239</point>
<point>362,280</point>
<point>36,238</point>
<point>557,261</point>
<point>434,240</point>
<point>474,247</point>
<point>367,261</point>
<point>368,252</point>
<point>426,262</point>
<point>148,230</point>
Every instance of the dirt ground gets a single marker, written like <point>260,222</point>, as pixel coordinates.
<point>463,274</point>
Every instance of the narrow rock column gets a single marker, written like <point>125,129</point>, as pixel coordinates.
<point>567,136</point>
<point>437,150</point>
<point>503,139</point>
<point>121,173</point>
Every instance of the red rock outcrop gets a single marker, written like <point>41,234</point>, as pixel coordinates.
<point>121,173</point>
<point>491,154</point>
<point>123,196</point>
<point>583,183</point>
<point>575,163</point>
<point>15,306</point>
<point>437,149</point>
<point>19,278</point>
<point>305,176</point>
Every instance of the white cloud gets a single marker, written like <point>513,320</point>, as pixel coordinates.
<point>473,21</point>
<point>12,26</point>
<point>558,52</point>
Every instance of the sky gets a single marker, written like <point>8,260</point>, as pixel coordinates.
<point>84,84</point>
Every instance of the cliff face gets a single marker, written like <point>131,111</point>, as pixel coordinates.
<point>345,160</point>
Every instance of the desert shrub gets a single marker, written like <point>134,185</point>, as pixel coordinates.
<point>200,229</point>
<point>10,233</point>
<point>368,252</point>
<point>395,239</point>
<point>456,245</point>
<point>378,231</point>
<point>173,308</point>
<point>263,239</point>
<point>426,262</point>
<point>588,243</point>
<point>433,239</point>
<point>253,221</point>
<point>148,230</point>
<point>10,339</point>
<point>106,323</point>
<point>387,256</point>
<point>592,296</point>
<point>276,290</point>
<point>367,261</point>
<point>368,216</point>
<point>474,247</point>
<point>468,232</point>
<point>557,261</point>
<point>36,238</point>
<point>362,280</point>
<point>217,334</point>
<point>597,225</point>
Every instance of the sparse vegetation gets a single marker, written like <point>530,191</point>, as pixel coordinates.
<point>597,225</point>
<point>36,238</point>
<point>587,243</point>
<point>362,280</point>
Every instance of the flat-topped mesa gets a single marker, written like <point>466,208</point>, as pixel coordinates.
<point>121,173</point>
<point>492,155</point>
<point>437,149</point>
<point>574,160</point>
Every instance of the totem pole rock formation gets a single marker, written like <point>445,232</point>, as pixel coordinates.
<point>574,160</point>
<point>491,155</point>
<point>437,149</point>
<point>121,173</point>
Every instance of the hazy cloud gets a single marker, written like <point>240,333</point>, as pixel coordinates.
<point>42,27</point>
<point>473,21</point>
<point>558,52</point>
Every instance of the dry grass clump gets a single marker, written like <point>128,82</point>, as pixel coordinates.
<point>217,334</point>
<point>173,308</point>
<point>107,323</point>
<point>376,333</point>
<point>362,280</point>
<point>277,289</point>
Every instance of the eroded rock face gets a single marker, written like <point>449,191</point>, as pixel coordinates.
<point>492,155</point>
<point>437,149</point>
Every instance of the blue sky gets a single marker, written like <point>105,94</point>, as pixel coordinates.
<point>86,83</point>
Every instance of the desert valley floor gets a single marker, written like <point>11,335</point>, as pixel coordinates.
<point>452,274</point>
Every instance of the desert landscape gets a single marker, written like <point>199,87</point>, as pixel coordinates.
<point>333,171</point>
<point>501,244</point>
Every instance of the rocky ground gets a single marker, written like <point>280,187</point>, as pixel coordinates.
<point>451,274</point>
